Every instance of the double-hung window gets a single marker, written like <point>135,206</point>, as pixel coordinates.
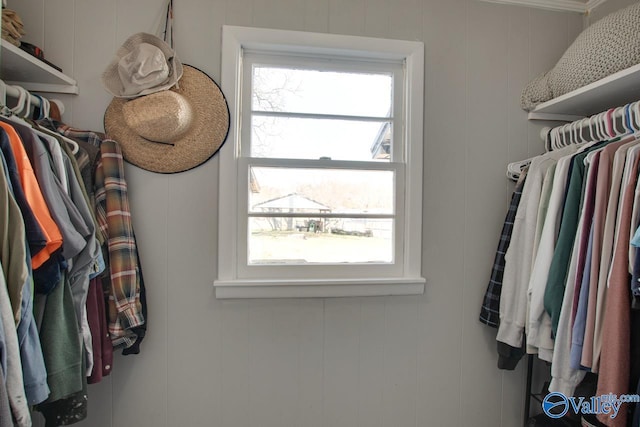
<point>321,177</point>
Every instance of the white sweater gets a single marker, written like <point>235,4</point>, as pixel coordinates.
<point>519,256</point>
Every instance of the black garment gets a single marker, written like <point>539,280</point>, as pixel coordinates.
<point>508,357</point>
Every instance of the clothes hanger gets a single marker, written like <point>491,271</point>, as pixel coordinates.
<point>27,110</point>
<point>547,139</point>
<point>627,118</point>
<point>560,141</point>
<point>635,116</point>
<point>74,145</point>
<point>553,136</point>
<point>3,93</point>
<point>41,109</point>
<point>38,128</point>
<point>21,100</point>
<point>600,127</point>
<point>617,132</point>
<point>575,127</point>
<point>611,121</point>
<point>555,142</point>
<point>566,135</point>
<point>571,140</point>
<point>4,110</point>
<point>590,128</point>
<point>632,118</point>
<point>584,123</point>
<point>47,110</point>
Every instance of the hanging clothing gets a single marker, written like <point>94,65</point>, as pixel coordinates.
<point>565,378</point>
<point>513,301</point>
<point>539,338</point>
<point>12,268</point>
<point>5,409</point>
<point>125,306</point>
<point>615,357</point>
<point>570,254</point>
<point>36,239</point>
<point>554,289</point>
<point>71,286</point>
<point>607,249</point>
<point>35,198</point>
<point>490,310</point>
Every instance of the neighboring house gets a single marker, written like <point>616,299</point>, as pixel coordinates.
<point>292,203</point>
<point>381,147</point>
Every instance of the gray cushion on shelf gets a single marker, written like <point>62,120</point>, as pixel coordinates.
<point>606,47</point>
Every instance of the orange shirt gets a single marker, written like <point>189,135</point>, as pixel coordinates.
<point>34,198</point>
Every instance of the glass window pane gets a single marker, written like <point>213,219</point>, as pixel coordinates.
<point>295,138</point>
<point>293,241</point>
<point>299,190</point>
<point>321,92</point>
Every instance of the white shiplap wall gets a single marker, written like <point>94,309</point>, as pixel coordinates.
<point>387,362</point>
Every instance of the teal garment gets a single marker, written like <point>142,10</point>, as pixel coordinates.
<point>554,291</point>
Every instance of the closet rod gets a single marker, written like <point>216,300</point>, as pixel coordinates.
<point>13,92</point>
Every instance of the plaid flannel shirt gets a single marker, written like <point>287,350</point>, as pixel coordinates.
<point>114,221</point>
<point>490,311</point>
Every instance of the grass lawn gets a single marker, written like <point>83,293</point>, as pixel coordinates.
<point>305,247</point>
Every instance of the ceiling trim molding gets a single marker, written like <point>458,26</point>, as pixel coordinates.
<point>592,4</point>
<point>560,5</point>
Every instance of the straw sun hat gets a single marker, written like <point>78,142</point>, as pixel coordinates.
<point>169,130</point>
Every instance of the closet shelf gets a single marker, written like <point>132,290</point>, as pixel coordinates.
<point>20,68</point>
<point>612,91</point>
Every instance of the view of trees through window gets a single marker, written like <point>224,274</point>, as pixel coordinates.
<point>320,214</point>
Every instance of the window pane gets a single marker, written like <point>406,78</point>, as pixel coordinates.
<point>295,138</point>
<point>285,240</point>
<point>321,92</point>
<point>298,190</point>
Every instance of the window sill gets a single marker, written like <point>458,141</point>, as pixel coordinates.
<point>226,289</point>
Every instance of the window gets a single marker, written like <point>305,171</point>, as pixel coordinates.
<point>321,177</point>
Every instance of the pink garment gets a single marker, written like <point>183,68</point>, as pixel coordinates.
<point>603,224</point>
<point>602,198</point>
<point>614,368</point>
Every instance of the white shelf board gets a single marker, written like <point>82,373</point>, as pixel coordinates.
<point>612,91</point>
<point>17,67</point>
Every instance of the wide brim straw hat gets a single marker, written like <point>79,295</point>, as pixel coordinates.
<point>173,130</point>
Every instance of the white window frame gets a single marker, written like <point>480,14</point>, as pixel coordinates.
<point>237,279</point>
